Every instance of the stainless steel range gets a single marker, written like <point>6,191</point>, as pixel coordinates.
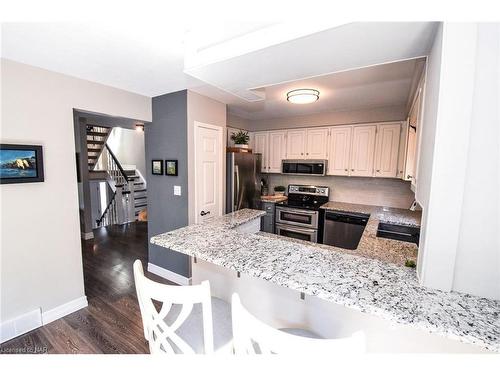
<point>299,216</point>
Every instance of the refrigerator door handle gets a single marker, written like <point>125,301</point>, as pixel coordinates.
<point>237,191</point>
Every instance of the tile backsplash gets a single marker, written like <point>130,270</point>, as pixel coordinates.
<point>389,192</point>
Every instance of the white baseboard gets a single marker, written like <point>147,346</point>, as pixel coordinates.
<point>63,310</point>
<point>169,275</point>
<point>87,236</point>
<point>20,325</point>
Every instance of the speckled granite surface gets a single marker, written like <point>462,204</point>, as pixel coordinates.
<point>365,284</point>
<point>371,246</point>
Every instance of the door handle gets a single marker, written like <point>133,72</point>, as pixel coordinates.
<point>203,213</point>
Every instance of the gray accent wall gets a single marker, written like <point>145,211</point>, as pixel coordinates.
<point>166,138</point>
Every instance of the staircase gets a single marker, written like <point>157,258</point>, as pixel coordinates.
<point>96,140</point>
<point>129,188</point>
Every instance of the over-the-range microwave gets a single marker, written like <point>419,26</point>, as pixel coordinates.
<point>304,167</point>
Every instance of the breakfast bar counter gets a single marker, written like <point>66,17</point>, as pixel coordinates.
<point>370,286</point>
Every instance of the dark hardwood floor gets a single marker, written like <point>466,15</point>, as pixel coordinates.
<point>112,321</point>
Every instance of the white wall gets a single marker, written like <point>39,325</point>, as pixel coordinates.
<point>41,262</point>
<point>477,268</point>
<point>459,244</point>
<point>128,147</point>
<point>209,111</point>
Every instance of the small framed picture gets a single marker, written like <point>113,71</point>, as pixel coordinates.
<point>171,167</point>
<point>157,167</point>
<point>21,164</point>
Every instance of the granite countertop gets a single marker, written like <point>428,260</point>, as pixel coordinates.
<point>368,285</point>
<point>273,198</point>
<point>371,246</point>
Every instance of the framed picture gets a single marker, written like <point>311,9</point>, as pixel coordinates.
<point>157,167</point>
<point>171,167</point>
<point>21,164</point>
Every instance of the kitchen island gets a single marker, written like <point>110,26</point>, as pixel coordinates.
<point>339,292</point>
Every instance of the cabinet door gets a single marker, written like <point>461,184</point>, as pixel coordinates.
<point>402,150</point>
<point>317,143</point>
<point>386,150</point>
<point>277,151</point>
<point>363,150</point>
<point>339,150</point>
<point>411,152</point>
<point>296,144</point>
<point>261,146</point>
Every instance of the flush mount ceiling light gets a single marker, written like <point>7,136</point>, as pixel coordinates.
<point>302,96</point>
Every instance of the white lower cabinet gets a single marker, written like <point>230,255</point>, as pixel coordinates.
<point>339,150</point>
<point>387,150</point>
<point>363,150</point>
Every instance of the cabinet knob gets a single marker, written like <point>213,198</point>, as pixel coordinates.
<point>409,176</point>
<point>307,153</point>
<point>378,170</point>
<point>352,170</point>
<point>302,153</point>
<point>346,170</point>
<point>400,171</point>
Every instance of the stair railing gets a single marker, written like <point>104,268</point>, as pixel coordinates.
<point>109,216</point>
<point>113,167</point>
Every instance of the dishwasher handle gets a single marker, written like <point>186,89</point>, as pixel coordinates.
<point>351,218</point>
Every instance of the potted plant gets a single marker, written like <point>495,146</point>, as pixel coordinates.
<point>279,190</point>
<point>240,139</point>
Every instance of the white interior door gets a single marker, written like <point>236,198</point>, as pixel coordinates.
<point>339,150</point>
<point>317,143</point>
<point>208,171</point>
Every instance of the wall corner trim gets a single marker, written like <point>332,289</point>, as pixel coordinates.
<point>169,275</point>
<point>64,309</point>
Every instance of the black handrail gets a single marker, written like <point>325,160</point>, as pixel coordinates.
<point>99,221</point>
<point>117,163</point>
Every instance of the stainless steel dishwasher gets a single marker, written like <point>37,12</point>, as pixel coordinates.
<point>344,229</point>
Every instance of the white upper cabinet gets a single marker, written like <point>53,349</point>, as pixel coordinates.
<point>339,150</point>
<point>317,143</point>
<point>296,144</point>
<point>363,150</point>
<point>277,151</point>
<point>387,149</point>
<point>261,146</point>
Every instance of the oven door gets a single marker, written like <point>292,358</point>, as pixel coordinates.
<point>297,232</point>
<point>292,216</point>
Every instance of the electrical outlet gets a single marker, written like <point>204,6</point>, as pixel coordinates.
<point>177,190</point>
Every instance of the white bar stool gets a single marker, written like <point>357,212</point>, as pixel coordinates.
<point>188,321</point>
<point>251,336</point>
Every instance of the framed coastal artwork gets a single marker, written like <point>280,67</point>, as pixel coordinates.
<point>157,167</point>
<point>20,164</point>
<point>171,167</point>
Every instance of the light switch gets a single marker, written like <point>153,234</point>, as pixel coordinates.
<point>177,190</point>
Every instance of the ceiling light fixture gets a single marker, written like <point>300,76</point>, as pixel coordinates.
<point>302,96</point>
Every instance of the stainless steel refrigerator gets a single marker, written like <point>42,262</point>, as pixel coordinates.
<point>242,180</point>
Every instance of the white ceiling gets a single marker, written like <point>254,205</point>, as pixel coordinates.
<point>247,65</point>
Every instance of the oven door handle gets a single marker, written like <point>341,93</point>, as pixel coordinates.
<point>301,230</point>
<point>296,211</point>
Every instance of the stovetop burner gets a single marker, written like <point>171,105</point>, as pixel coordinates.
<point>306,197</point>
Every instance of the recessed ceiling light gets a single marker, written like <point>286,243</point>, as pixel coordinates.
<point>302,96</point>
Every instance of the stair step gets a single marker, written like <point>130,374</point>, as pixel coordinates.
<point>91,149</point>
<point>135,191</point>
<point>141,205</point>
<point>92,156</point>
<point>94,142</point>
<point>99,134</point>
